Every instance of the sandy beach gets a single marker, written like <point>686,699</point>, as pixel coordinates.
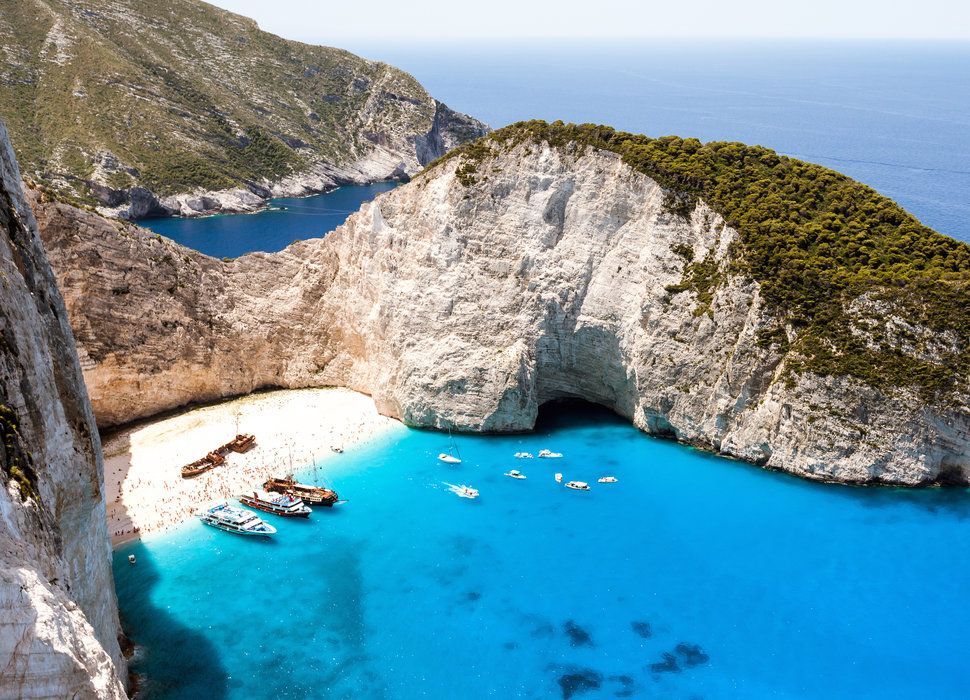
<point>143,483</point>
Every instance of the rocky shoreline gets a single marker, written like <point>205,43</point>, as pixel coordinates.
<point>384,162</point>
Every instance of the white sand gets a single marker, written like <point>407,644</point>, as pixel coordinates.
<point>143,483</point>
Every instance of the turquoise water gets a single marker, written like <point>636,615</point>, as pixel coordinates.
<point>270,230</point>
<point>789,589</point>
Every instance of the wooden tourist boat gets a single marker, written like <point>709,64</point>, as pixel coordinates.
<point>311,495</point>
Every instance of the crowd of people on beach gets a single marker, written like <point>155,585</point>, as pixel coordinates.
<point>145,489</point>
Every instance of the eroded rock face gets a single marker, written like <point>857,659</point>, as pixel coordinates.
<point>58,614</point>
<point>468,305</point>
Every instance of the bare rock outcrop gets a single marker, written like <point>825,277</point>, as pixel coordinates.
<point>468,302</point>
<point>58,614</point>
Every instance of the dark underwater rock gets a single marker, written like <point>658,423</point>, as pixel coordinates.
<point>667,664</point>
<point>691,654</point>
<point>641,629</point>
<point>578,637</point>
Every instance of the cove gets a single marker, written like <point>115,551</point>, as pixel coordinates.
<point>693,576</point>
<point>285,220</point>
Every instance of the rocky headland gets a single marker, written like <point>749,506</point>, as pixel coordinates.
<point>717,294</point>
<point>180,108</point>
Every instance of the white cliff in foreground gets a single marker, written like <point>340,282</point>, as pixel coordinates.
<point>58,615</point>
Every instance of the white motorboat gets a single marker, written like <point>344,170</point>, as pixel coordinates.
<point>131,559</point>
<point>523,455</point>
<point>578,485</point>
<point>549,454</point>
<point>607,480</point>
<point>515,474</point>
<point>235,519</point>
<point>558,478</point>
<point>462,490</point>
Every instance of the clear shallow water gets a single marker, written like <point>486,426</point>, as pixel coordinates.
<point>793,589</point>
<point>895,115</point>
<point>288,220</point>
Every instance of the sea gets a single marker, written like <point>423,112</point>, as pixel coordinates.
<point>693,576</point>
<point>284,221</point>
<point>894,115</point>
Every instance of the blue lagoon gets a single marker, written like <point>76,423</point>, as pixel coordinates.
<point>693,576</point>
<point>284,221</point>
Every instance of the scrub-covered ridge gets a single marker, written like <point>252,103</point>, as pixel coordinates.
<point>124,103</point>
<point>857,285</point>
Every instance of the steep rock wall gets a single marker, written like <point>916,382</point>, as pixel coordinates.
<point>467,302</point>
<point>58,614</point>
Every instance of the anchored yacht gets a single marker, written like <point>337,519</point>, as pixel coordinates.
<point>235,519</point>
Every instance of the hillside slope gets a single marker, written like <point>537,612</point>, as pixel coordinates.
<point>533,265</point>
<point>58,615</point>
<point>120,103</point>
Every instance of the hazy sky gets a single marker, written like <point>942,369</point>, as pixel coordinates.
<point>328,21</point>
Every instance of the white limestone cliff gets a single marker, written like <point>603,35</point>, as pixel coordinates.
<point>58,615</point>
<point>469,305</point>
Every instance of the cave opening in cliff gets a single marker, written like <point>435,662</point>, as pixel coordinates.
<point>573,412</point>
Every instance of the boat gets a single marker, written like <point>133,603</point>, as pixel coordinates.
<point>311,495</point>
<point>523,455</point>
<point>549,454</point>
<point>235,519</point>
<point>462,490</point>
<point>200,466</point>
<point>558,478</point>
<point>452,456</point>
<point>607,480</point>
<point>516,474</point>
<point>243,442</point>
<point>131,559</point>
<point>578,485</point>
<point>276,503</point>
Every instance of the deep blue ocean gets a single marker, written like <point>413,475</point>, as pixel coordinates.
<point>893,115</point>
<point>694,576</point>
<point>772,587</point>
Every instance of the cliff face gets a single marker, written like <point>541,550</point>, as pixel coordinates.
<point>176,106</point>
<point>469,299</point>
<point>58,615</point>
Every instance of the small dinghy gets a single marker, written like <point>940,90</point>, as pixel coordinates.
<point>558,478</point>
<point>516,474</point>
<point>578,485</point>
<point>131,559</point>
<point>523,455</point>
<point>549,454</point>
<point>462,490</point>
<point>607,480</point>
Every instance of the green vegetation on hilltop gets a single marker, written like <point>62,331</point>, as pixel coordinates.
<point>815,240</point>
<point>179,94</point>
